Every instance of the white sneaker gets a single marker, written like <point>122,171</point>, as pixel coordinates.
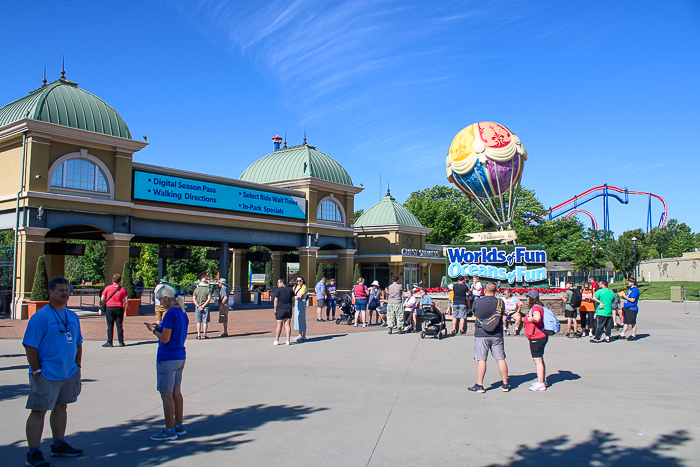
<point>538,387</point>
<point>287,343</point>
<point>364,325</point>
<point>276,343</point>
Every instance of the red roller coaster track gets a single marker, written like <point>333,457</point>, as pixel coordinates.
<point>572,205</point>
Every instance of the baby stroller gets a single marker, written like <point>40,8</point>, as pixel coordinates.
<point>347,311</point>
<point>433,323</point>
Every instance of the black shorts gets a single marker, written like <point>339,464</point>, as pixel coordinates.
<point>630,317</point>
<point>570,313</point>
<point>283,314</point>
<point>537,346</point>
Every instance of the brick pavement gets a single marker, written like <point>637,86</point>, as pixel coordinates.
<point>250,321</point>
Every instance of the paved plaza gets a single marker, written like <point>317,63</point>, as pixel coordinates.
<point>357,398</point>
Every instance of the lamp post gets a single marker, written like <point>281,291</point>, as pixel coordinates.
<point>634,244</point>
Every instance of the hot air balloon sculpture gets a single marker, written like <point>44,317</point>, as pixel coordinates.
<point>486,162</point>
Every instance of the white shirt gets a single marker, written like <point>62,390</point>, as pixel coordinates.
<point>476,289</point>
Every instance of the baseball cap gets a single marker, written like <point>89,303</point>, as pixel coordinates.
<point>533,294</point>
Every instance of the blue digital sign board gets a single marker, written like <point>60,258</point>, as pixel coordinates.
<point>183,191</point>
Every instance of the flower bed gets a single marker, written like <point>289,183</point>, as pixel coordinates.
<point>520,291</point>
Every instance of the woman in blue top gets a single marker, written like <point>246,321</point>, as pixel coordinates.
<point>170,360</point>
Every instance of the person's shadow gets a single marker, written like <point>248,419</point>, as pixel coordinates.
<point>553,378</point>
<point>128,443</point>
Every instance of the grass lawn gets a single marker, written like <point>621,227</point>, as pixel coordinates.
<point>662,290</point>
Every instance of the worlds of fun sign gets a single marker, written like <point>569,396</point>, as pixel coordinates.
<point>465,262</point>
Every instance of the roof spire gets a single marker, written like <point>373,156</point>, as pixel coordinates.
<point>285,139</point>
<point>304,135</point>
<point>388,190</point>
<point>43,81</point>
<point>63,68</point>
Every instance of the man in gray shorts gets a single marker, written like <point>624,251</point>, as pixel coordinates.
<point>54,347</point>
<point>486,309</point>
<point>201,298</point>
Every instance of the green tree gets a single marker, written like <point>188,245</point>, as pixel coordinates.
<point>672,240</point>
<point>447,211</point>
<point>146,265</point>
<point>268,273</point>
<point>40,289</point>
<point>320,272</point>
<point>357,214</point>
<point>7,238</point>
<point>128,282</point>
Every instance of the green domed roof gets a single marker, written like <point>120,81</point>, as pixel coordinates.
<point>296,162</point>
<point>64,103</point>
<point>387,212</point>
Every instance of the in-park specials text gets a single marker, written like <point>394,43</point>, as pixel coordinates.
<point>465,262</point>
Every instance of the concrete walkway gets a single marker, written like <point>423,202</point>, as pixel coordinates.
<point>367,398</point>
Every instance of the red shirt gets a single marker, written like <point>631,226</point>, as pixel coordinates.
<point>594,286</point>
<point>360,291</point>
<point>118,297</point>
<point>534,330</point>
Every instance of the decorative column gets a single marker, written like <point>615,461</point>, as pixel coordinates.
<point>346,266</point>
<point>277,272</point>
<point>223,261</point>
<point>240,269</point>
<point>30,246</point>
<point>307,264</point>
<point>117,254</point>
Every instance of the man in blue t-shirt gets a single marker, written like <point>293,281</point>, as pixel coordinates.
<point>54,347</point>
<point>630,309</point>
<point>321,295</point>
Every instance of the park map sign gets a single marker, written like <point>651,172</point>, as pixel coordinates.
<point>501,264</point>
<point>183,191</point>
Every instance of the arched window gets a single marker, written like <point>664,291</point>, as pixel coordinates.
<point>329,211</point>
<point>81,172</point>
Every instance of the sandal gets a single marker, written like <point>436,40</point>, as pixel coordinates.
<point>206,337</point>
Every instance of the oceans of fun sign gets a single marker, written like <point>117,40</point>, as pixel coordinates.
<point>183,191</point>
<point>465,262</point>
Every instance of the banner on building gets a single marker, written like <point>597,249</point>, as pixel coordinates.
<point>508,263</point>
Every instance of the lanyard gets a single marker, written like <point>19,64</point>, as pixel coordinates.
<point>65,323</point>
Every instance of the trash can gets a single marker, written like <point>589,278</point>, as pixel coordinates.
<point>257,297</point>
<point>676,293</point>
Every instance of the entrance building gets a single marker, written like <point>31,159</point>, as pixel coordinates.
<point>68,172</point>
<point>391,241</point>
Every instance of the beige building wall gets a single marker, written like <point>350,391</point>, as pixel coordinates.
<point>670,269</point>
<point>11,167</point>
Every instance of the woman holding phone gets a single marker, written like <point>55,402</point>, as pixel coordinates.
<point>170,361</point>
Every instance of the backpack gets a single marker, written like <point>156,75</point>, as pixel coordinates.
<point>491,323</point>
<point>576,298</point>
<point>550,322</point>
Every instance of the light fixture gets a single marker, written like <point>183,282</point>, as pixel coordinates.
<point>40,212</point>
<point>126,220</point>
<point>38,176</point>
<point>316,237</point>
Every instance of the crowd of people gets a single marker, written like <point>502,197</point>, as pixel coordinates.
<point>53,339</point>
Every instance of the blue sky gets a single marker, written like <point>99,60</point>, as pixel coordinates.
<point>598,92</point>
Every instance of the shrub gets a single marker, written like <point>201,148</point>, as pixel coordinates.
<point>40,289</point>
<point>128,282</point>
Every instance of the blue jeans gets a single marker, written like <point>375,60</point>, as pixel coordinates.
<point>330,307</point>
<point>361,304</point>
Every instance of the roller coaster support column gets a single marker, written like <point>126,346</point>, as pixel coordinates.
<point>649,215</point>
<point>606,213</point>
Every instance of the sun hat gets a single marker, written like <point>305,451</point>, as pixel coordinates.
<point>222,281</point>
<point>376,283</point>
<point>204,281</point>
<point>164,280</point>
